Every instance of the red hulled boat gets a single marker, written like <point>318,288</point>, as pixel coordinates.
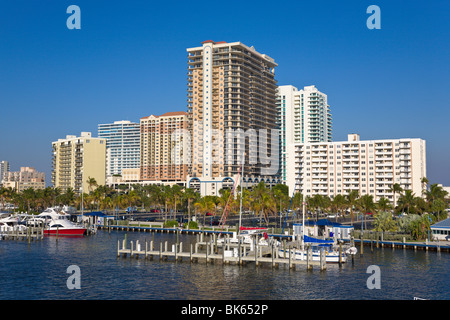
<point>62,227</point>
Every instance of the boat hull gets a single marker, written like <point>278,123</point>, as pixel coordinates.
<point>65,232</point>
<point>330,257</point>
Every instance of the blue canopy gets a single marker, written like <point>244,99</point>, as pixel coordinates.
<point>314,240</point>
<point>326,222</point>
<point>95,214</point>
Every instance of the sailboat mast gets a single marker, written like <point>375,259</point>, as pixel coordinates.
<point>303,223</point>
<point>242,187</point>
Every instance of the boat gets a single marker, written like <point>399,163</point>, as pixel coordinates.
<point>53,214</point>
<point>248,235</point>
<point>12,223</point>
<point>334,253</point>
<point>64,227</point>
<point>316,246</point>
<point>46,217</point>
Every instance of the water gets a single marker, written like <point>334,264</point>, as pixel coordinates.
<point>38,271</point>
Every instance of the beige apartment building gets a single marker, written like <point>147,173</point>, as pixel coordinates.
<point>369,166</point>
<point>76,159</point>
<point>165,147</point>
<point>26,178</point>
<point>231,98</point>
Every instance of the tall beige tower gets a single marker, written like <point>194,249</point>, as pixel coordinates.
<point>76,159</point>
<point>231,98</point>
<point>165,154</point>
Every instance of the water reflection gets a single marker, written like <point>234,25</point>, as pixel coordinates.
<point>38,271</point>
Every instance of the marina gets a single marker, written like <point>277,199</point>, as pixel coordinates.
<point>242,253</point>
<point>443,246</point>
<point>36,233</point>
<point>404,273</point>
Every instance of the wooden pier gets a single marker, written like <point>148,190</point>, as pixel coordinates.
<point>377,243</point>
<point>212,252</point>
<point>30,234</point>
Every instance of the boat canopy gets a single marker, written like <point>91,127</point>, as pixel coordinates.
<point>95,214</point>
<point>315,240</point>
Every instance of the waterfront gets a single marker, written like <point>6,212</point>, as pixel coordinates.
<point>37,271</point>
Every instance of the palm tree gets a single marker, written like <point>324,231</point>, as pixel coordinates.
<point>91,183</point>
<point>366,205</point>
<point>166,194</point>
<point>263,200</point>
<point>352,200</point>
<point>395,188</point>
<point>188,195</point>
<point>436,192</point>
<point>226,200</point>
<point>325,203</point>
<point>204,206</point>
<point>406,200</point>
<point>436,198</point>
<point>384,222</point>
<point>421,205</point>
<point>338,204</point>
<point>383,204</point>
<point>29,195</point>
<point>176,194</point>
<point>4,194</point>
<point>297,202</point>
<point>424,182</point>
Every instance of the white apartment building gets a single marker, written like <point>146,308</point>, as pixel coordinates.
<point>122,146</point>
<point>303,117</point>
<point>370,166</point>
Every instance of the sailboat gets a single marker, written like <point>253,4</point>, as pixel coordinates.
<point>245,235</point>
<point>333,251</point>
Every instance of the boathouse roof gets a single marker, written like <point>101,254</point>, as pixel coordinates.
<point>444,224</point>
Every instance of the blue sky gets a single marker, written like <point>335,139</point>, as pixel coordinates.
<point>129,61</point>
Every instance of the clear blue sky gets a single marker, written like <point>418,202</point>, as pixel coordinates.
<point>129,60</point>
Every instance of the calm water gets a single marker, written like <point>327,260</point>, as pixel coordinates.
<point>37,271</point>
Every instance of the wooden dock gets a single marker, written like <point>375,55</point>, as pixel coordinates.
<point>432,246</point>
<point>30,234</point>
<point>211,252</point>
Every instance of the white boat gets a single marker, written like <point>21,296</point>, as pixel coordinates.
<point>64,227</point>
<point>330,248</point>
<point>48,216</point>
<point>11,223</point>
<point>333,253</point>
<point>247,235</point>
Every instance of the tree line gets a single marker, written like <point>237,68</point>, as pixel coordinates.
<point>260,199</point>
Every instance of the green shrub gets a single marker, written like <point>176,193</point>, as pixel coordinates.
<point>171,224</point>
<point>192,225</point>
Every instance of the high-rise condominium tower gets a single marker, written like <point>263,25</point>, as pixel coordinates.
<point>122,146</point>
<point>165,154</point>
<point>231,101</point>
<point>303,117</point>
